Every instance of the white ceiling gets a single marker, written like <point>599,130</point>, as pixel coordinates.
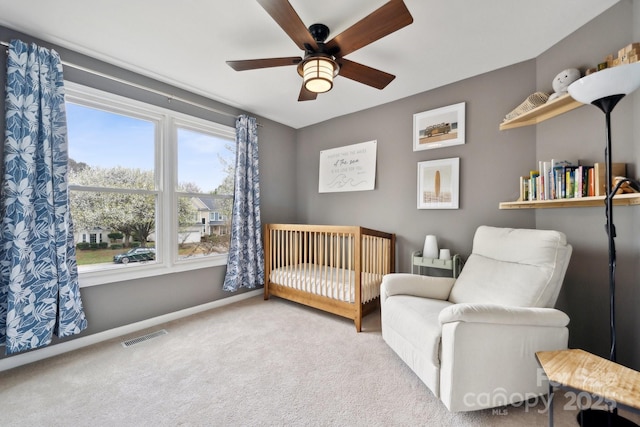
<point>186,43</point>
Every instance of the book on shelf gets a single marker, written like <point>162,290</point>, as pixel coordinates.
<point>570,182</point>
<point>560,169</point>
<point>577,181</point>
<point>533,184</point>
<point>524,189</point>
<point>583,183</point>
<point>546,180</point>
<point>566,179</point>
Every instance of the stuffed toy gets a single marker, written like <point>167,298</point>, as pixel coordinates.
<point>562,81</point>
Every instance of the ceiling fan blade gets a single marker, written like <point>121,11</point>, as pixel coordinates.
<point>283,13</point>
<point>306,95</point>
<point>252,64</point>
<point>364,74</point>
<point>381,22</point>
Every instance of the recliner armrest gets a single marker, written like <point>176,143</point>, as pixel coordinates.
<point>504,315</point>
<point>417,285</point>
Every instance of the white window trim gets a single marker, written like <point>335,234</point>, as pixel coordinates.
<point>167,123</point>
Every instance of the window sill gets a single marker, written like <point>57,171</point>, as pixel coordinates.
<point>122,273</point>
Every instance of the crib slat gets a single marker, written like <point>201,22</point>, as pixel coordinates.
<point>323,272</point>
<point>315,254</point>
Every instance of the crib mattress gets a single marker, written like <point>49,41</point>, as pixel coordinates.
<point>327,281</point>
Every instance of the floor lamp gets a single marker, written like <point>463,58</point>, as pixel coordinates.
<point>604,89</point>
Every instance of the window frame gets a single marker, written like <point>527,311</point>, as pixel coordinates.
<point>167,123</point>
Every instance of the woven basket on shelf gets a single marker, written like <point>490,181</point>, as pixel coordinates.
<point>534,100</point>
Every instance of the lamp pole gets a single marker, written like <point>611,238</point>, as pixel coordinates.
<point>607,104</point>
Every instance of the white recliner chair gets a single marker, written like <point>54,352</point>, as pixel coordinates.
<point>472,340</point>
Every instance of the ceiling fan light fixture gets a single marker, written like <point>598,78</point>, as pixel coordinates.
<point>318,74</point>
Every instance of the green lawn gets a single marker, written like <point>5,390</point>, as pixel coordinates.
<point>97,256</point>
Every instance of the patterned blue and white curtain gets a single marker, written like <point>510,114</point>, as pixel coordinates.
<point>39,291</point>
<point>245,268</point>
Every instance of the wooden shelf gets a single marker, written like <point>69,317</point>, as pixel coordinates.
<point>544,112</point>
<point>628,199</point>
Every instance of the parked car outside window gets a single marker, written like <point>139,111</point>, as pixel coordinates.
<point>135,254</point>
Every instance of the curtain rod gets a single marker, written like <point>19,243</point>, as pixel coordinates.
<point>169,96</point>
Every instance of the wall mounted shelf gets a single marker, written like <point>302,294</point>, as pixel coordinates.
<point>544,112</point>
<point>539,114</point>
<point>628,199</point>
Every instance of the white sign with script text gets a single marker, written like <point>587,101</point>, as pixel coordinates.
<point>348,168</point>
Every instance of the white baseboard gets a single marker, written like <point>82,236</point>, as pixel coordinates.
<point>64,347</point>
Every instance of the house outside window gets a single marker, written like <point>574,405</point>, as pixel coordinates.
<point>136,172</point>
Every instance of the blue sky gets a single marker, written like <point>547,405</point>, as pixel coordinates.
<point>105,139</point>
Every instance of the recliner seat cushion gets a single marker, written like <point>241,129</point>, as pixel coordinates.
<point>416,319</point>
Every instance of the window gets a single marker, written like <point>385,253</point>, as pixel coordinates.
<point>216,217</point>
<point>142,176</point>
<point>203,188</point>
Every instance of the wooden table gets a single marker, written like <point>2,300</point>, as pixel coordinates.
<point>616,385</point>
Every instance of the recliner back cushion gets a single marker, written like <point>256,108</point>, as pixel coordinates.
<point>516,267</point>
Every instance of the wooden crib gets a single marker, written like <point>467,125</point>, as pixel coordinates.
<point>337,269</point>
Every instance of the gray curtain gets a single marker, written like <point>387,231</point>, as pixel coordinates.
<point>245,268</point>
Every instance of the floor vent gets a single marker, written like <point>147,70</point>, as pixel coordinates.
<point>143,338</point>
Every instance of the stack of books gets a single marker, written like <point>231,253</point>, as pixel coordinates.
<point>564,179</point>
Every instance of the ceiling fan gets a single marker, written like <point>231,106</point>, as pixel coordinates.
<point>324,61</point>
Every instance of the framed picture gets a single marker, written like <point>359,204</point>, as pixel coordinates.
<point>438,128</point>
<point>439,184</point>
<point>348,168</point>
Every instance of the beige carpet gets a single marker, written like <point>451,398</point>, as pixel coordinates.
<point>248,364</point>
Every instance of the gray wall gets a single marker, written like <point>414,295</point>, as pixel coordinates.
<point>491,162</point>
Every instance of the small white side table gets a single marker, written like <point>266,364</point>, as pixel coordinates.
<point>418,263</point>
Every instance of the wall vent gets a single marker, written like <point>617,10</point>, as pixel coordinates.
<point>143,338</point>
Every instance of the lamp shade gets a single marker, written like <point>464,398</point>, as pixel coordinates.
<point>318,74</point>
<point>620,80</point>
